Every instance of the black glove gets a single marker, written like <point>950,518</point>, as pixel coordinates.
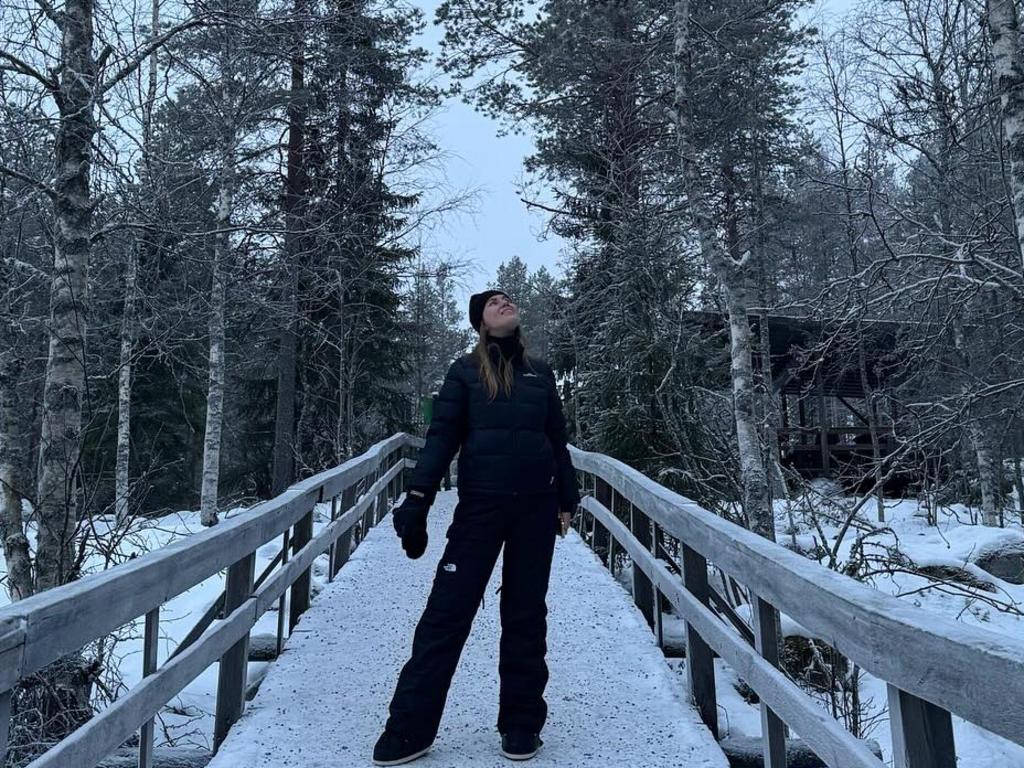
<point>410,520</point>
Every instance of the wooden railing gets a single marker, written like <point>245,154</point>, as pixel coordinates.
<point>43,628</point>
<point>932,666</point>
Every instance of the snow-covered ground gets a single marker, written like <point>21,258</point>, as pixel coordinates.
<point>611,698</point>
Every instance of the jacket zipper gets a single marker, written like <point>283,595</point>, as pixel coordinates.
<point>515,451</point>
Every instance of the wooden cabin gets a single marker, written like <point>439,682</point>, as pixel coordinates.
<point>822,377</point>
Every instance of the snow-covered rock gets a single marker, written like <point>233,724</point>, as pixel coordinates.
<point>1006,563</point>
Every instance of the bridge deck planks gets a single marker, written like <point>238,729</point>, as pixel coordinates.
<point>612,699</point>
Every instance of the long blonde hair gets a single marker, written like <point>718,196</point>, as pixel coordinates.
<point>501,375</point>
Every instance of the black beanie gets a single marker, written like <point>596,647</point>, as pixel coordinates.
<point>476,307</point>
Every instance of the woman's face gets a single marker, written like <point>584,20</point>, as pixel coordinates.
<point>501,316</point>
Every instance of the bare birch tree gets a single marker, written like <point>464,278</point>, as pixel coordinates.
<point>732,269</point>
<point>1008,66</point>
<point>122,491</point>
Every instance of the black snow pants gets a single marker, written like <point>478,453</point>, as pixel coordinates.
<point>526,525</point>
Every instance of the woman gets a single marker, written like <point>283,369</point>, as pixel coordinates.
<point>517,489</point>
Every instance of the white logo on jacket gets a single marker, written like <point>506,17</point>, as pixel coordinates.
<point>450,567</point>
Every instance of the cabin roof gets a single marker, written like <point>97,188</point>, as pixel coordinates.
<point>802,347</point>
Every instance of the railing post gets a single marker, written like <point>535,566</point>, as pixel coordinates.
<point>231,676</point>
<point>400,487</point>
<point>390,496</point>
<point>643,593</point>
<point>656,547</point>
<point>371,479</point>
<point>378,501</point>
<point>331,551</point>
<point>285,543</point>
<point>584,530</point>
<point>149,651</point>
<point>611,552</point>
<point>299,600</point>
<point>603,494</point>
<point>922,733</point>
<point>586,488</point>
<point>367,481</point>
<point>700,661</point>
<point>766,640</point>
<point>5,724</point>
<point>344,544</point>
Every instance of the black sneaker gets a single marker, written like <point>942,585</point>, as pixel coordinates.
<point>520,745</point>
<point>394,749</point>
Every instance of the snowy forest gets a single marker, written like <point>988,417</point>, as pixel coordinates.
<point>790,283</point>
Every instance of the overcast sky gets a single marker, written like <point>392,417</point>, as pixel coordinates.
<point>500,226</point>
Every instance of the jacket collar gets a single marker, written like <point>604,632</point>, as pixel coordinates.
<point>508,346</point>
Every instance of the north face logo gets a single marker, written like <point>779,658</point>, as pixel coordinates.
<point>450,567</point>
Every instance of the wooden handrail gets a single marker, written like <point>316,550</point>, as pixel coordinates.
<point>41,629</point>
<point>932,665</point>
<point>826,736</point>
<point>717,599</point>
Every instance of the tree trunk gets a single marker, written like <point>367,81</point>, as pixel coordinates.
<point>227,108</point>
<point>756,503</point>
<point>341,438</point>
<point>124,389</point>
<point>284,421</point>
<point>988,478</point>
<point>769,404</point>
<point>1009,72</point>
<point>122,491</point>
<point>872,417</point>
<point>64,383</point>
<point>12,527</point>
<point>1018,484</point>
<point>344,173</point>
<point>731,273</point>
<point>215,391</point>
<point>295,190</point>
<point>987,475</point>
<point>770,417</point>
<point>12,437</point>
<point>303,425</point>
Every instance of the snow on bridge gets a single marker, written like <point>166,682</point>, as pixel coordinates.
<point>611,697</point>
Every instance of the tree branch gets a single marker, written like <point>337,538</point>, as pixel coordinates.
<point>35,183</point>
<point>23,67</point>
<point>50,12</point>
<point>143,53</point>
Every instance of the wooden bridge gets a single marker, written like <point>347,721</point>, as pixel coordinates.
<point>612,698</point>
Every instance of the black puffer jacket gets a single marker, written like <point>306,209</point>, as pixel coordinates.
<point>511,445</point>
